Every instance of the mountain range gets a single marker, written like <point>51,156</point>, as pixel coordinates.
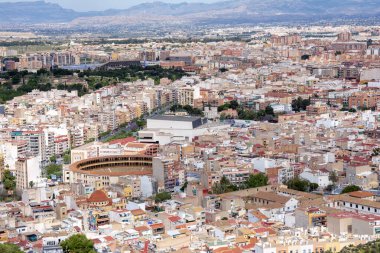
<point>235,11</point>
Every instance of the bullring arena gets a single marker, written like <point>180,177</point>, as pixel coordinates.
<point>106,169</point>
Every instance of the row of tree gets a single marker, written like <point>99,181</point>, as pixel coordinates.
<point>306,186</point>
<point>247,113</point>
<point>299,184</point>
<point>133,73</point>
<point>370,247</point>
<point>40,80</point>
<point>187,108</point>
<point>300,104</point>
<point>77,243</point>
<point>253,181</point>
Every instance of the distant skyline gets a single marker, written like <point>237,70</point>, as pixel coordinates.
<point>99,5</point>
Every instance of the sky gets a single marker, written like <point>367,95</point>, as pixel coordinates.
<point>97,5</point>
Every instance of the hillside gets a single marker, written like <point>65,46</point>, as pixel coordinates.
<point>239,11</point>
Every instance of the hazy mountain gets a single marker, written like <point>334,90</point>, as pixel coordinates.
<point>35,12</point>
<point>224,11</point>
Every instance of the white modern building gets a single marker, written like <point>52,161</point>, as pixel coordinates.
<point>167,128</point>
<point>318,177</point>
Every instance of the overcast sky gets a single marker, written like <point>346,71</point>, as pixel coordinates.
<point>92,5</point>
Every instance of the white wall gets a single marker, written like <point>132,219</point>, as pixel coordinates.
<point>34,169</point>
<point>261,163</point>
<point>167,124</point>
<point>146,186</point>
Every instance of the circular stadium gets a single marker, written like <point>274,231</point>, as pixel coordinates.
<point>114,166</point>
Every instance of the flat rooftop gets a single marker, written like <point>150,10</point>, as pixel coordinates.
<point>175,118</point>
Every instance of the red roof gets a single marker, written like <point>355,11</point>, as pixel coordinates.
<point>360,194</point>
<point>98,196</point>
<point>228,250</point>
<point>174,218</point>
<point>142,228</point>
<point>109,238</point>
<point>96,241</point>
<point>157,225</point>
<point>137,212</point>
<point>123,141</point>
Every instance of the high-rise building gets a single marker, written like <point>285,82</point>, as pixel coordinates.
<point>36,142</point>
<point>165,173</point>
<point>285,40</point>
<point>344,37</point>
<point>186,95</point>
<point>27,170</point>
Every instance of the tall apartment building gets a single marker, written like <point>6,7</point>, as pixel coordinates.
<point>347,46</point>
<point>49,144</point>
<point>147,56</point>
<point>27,170</point>
<point>187,95</point>
<point>36,145</point>
<point>12,151</point>
<point>285,40</point>
<point>164,171</point>
<point>108,120</point>
<point>344,36</point>
<point>64,59</point>
<point>363,100</point>
<point>61,144</point>
<point>77,136</point>
<point>350,72</point>
<point>316,109</point>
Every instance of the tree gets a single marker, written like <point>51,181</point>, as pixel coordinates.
<point>350,188</point>
<point>161,197</point>
<point>31,184</point>
<point>10,248</point>
<point>67,159</point>
<point>375,152</point>
<point>53,159</point>
<point>300,104</point>
<point>78,243</point>
<point>234,104</point>
<point>301,185</point>
<point>313,186</point>
<point>184,186</point>
<point>352,110</point>
<point>53,169</point>
<point>16,79</point>
<point>9,181</point>
<point>330,188</point>
<point>256,180</point>
<point>333,177</point>
<point>223,186</point>
<point>269,110</point>
<point>141,123</point>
